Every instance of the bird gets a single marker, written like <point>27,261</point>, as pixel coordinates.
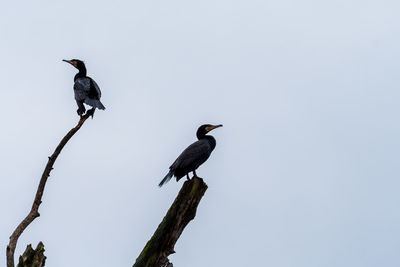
<point>86,89</point>
<point>193,156</point>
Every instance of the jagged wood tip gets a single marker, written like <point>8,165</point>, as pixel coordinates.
<point>33,257</point>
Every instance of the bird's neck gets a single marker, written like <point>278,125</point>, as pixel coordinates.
<point>82,73</point>
<point>200,135</point>
<point>210,139</point>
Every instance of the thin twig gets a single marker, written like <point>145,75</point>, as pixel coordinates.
<point>34,213</point>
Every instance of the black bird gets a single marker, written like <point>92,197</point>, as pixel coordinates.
<point>86,89</point>
<point>193,156</point>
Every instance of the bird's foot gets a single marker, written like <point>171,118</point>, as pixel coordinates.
<point>195,176</point>
<point>80,112</point>
<point>90,112</point>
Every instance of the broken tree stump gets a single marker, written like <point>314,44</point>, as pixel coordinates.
<point>182,211</point>
<point>33,257</point>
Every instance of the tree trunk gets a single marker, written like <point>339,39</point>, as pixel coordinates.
<point>182,211</point>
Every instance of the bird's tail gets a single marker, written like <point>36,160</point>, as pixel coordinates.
<point>166,178</point>
<point>94,103</point>
<point>100,105</point>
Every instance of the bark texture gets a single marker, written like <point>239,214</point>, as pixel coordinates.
<point>182,211</point>
<point>34,213</point>
<point>33,257</point>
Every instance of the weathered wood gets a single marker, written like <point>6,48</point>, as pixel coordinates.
<point>182,211</point>
<point>33,257</point>
<point>34,213</point>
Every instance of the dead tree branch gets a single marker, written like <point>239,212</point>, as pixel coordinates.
<point>34,213</point>
<point>182,211</point>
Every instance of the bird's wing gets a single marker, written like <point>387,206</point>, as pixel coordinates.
<point>94,90</point>
<point>193,156</point>
<point>93,97</point>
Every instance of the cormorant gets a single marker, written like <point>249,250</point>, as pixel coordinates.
<point>193,156</point>
<point>86,89</point>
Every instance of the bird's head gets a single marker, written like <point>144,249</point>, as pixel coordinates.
<point>76,63</point>
<point>205,128</point>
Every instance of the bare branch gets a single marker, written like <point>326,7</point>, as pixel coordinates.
<point>34,213</point>
<point>182,211</point>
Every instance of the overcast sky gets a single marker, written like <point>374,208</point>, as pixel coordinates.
<point>305,172</point>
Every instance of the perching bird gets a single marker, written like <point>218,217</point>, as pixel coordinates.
<point>193,156</point>
<point>86,89</point>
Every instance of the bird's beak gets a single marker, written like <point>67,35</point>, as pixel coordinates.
<point>73,63</point>
<point>210,128</point>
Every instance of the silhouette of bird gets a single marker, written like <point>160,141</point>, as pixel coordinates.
<point>193,156</point>
<point>86,89</point>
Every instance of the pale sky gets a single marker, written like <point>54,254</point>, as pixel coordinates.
<point>305,172</point>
